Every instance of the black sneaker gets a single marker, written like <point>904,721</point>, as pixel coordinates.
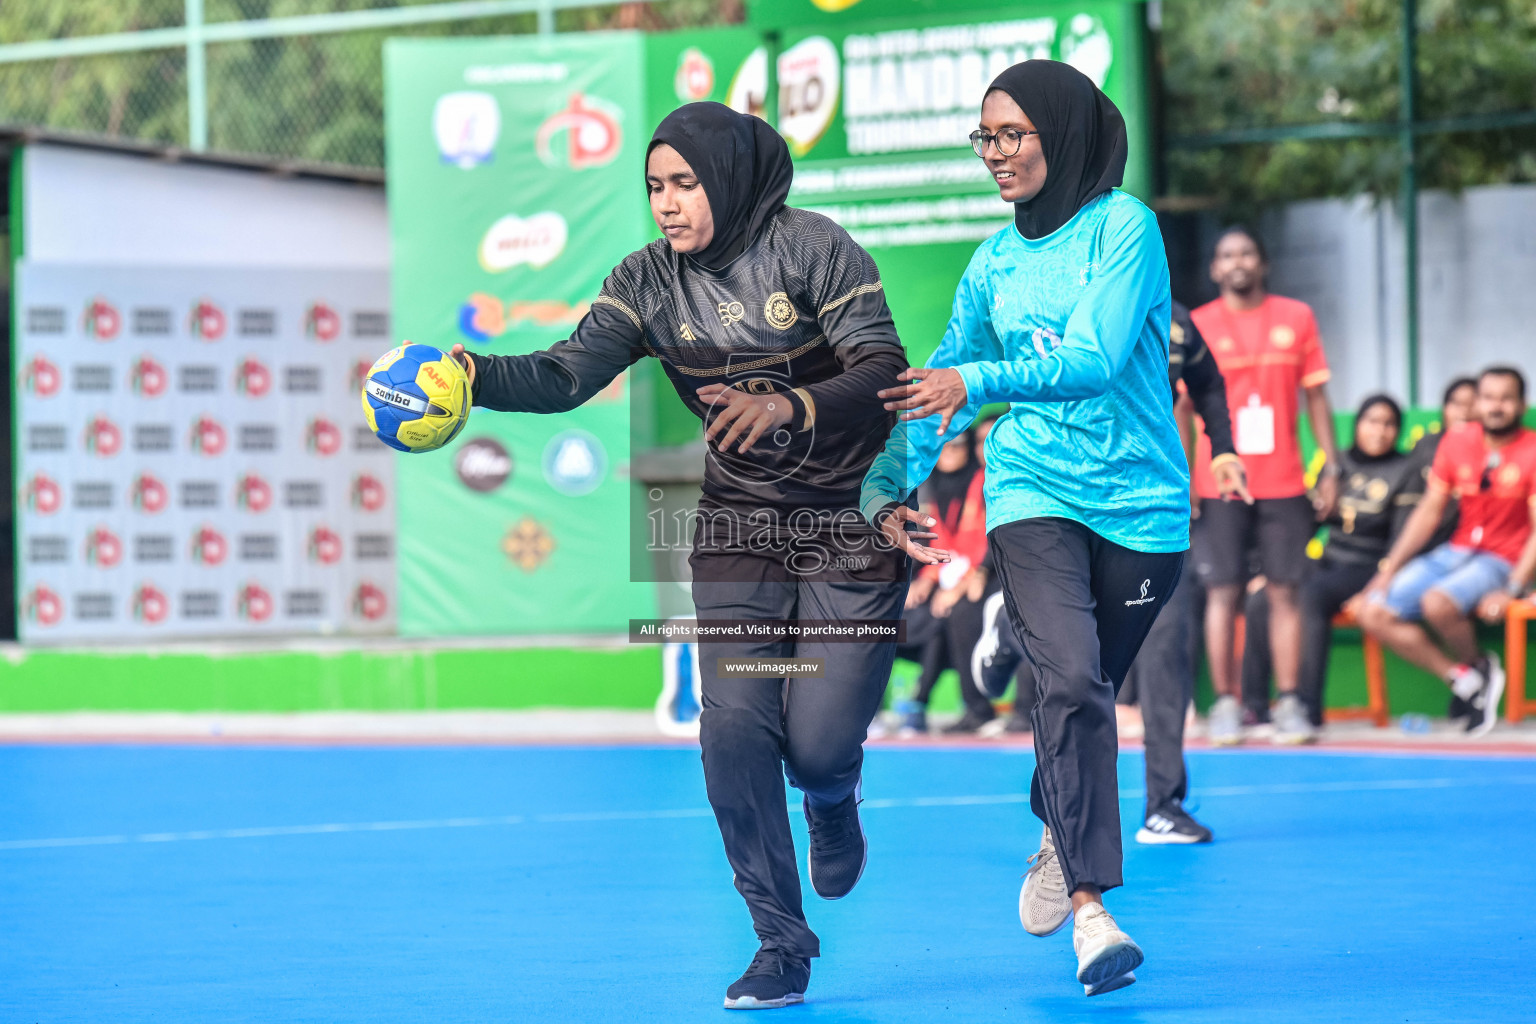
<point>1018,723</point>
<point>992,659</point>
<point>1458,709</point>
<point>968,724</point>
<point>1485,703</point>
<point>838,849</point>
<point>775,979</point>
<point>1171,826</point>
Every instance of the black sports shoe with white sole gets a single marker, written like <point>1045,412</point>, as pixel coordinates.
<point>773,980</point>
<point>838,849</point>
<point>1171,826</point>
<point>993,659</point>
<point>1485,703</point>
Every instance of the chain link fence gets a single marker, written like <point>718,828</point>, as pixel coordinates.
<point>313,98</point>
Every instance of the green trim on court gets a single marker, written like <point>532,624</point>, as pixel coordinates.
<point>356,679</point>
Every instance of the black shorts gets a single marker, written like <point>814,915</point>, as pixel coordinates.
<point>1233,540</point>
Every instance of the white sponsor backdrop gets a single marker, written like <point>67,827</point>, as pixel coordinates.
<point>191,458</point>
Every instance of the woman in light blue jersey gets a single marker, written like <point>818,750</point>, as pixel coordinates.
<point>1063,315</point>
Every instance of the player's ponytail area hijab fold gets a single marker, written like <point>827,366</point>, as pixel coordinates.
<point>743,165</point>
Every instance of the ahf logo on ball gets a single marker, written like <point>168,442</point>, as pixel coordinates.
<point>483,465</point>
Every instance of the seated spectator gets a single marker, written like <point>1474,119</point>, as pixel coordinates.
<point>1490,466</point>
<point>1456,407</point>
<point>965,582</point>
<point>926,642</point>
<point>1378,490</point>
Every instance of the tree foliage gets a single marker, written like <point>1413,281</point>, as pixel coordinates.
<point>1239,64</point>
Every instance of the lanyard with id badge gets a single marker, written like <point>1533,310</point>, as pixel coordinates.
<point>1255,428</point>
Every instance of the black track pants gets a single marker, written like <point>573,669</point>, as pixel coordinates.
<point>755,732</point>
<point>1081,605</point>
<point>1164,674</point>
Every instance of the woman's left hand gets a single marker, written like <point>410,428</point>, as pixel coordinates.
<point>938,392</point>
<point>737,413</point>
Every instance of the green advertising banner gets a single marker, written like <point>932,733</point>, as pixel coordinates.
<point>514,169</point>
<point>876,100</point>
<point>515,185</point>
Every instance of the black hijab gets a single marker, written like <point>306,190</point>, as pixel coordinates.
<point>1397,416</point>
<point>743,165</point>
<point>1083,136</point>
<point>946,488</point>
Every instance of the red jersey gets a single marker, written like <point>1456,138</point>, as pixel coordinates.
<point>963,533</point>
<point>1266,355</point>
<point>1496,488</point>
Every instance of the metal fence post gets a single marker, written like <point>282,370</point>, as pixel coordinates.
<point>546,16</point>
<point>1409,190</point>
<point>197,78</point>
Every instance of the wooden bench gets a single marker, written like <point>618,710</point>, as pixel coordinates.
<point>1516,663</point>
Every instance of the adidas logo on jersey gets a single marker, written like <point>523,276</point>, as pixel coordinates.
<point>686,333</point>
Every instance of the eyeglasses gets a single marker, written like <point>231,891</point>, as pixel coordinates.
<point>1008,141</point>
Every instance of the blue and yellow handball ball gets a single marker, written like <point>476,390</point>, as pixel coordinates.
<point>416,398</point>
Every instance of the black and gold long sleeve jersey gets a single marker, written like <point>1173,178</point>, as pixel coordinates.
<point>801,313</point>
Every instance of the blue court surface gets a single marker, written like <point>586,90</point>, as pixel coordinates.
<point>588,884</point>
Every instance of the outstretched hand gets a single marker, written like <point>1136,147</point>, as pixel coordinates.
<point>737,413</point>
<point>936,392</point>
<point>463,357</point>
<point>891,526</point>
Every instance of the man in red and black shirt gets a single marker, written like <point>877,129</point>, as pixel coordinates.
<point>1268,350</point>
<point>1490,466</point>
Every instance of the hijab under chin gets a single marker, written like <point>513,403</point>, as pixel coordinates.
<point>1396,410</point>
<point>1082,136</point>
<point>743,165</point>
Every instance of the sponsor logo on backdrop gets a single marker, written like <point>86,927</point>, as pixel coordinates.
<point>207,321</point>
<point>42,378</point>
<point>322,323</point>
<point>103,437</point>
<point>527,544</point>
<point>1085,44</point>
<point>322,436</point>
<point>369,601</point>
<point>695,78</point>
<point>253,493</point>
<point>324,545</point>
<point>102,320</point>
<point>149,494</point>
<point>255,603</point>
<point>209,546</point>
<point>44,496</point>
<point>834,5</point>
<point>466,126</point>
<point>748,92</point>
<point>809,77</point>
<point>150,604</point>
<point>483,464</point>
<point>43,606</point>
<point>513,241</point>
<point>149,378</point>
<point>574,462</point>
<point>209,436</point>
<point>905,91</point>
<point>103,548</point>
<point>359,375</point>
<point>483,317</point>
<point>368,492</point>
<point>592,136</point>
<point>253,378</point>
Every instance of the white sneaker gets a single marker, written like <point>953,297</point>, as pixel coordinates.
<point>1224,727</point>
<point>1292,726</point>
<point>1106,956</point>
<point>1485,704</point>
<point>1044,903</point>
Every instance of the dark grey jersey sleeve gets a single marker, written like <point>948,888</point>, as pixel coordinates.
<point>843,286</point>
<point>1207,389</point>
<point>563,376</point>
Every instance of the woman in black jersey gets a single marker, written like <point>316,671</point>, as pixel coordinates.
<point>1378,489</point>
<point>771,323</point>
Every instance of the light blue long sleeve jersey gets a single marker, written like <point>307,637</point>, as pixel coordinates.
<point>1072,331</point>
